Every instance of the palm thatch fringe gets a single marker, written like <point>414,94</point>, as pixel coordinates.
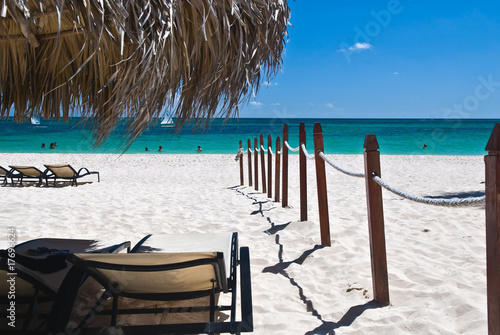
<point>132,59</point>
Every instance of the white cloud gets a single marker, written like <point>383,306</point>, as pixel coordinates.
<point>329,105</point>
<point>358,47</point>
<point>396,73</point>
<point>332,106</point>
<point>256,103</point>
<point>275,104</point>
<point>267,83</point>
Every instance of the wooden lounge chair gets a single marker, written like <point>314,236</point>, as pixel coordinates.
<point>28,172</point>
<point>39,277</point>
<point>171,284</point>
<point>66,171</point>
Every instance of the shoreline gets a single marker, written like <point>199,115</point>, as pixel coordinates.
<point>436,255</point>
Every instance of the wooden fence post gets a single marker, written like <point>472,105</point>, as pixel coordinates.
<point>324,221</point>
<point>284,178</point>
<point>249,145</point>
<point>380,279</point>
<point>303,173</point>
<point>263,164</point>
<point>269,166</point>
<point>240,157</point>
<point>277,171</point>
<point>492,194</point>
<point>256,161</point>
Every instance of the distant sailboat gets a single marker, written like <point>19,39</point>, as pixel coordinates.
<point>167,121</point>
<point>35,121</point>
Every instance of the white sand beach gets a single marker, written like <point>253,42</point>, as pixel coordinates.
<point>436,255</point>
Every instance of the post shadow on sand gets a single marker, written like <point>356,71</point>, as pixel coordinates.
<point>327,327</point>
<point>275,228</point>
<point>255,201</point>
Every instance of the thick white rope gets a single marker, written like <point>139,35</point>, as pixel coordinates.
<point>290,148</point>
<point>304,150</point>
<point>250,150</point>
<point>270,151</point>
<point>471,201</point>
<point>262,148</point>
<point>279,152</point>
<point>350,173</point>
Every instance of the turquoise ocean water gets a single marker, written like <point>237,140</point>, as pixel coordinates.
<point>341,136</point>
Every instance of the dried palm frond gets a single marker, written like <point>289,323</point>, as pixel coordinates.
<point>131,59</point>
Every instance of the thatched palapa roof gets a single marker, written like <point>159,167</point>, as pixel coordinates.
<point>109,59</point>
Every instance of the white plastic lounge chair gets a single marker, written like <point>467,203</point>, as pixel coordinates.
<point>167,276</point>
<point>41,275</point>
<point>67,172</point>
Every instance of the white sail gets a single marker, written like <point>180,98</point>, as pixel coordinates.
<point>35,121</point>
<point>167,121</point>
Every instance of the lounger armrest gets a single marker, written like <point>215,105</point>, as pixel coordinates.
<point>120,247</point>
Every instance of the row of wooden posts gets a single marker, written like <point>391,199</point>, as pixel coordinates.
<point>374,203</point>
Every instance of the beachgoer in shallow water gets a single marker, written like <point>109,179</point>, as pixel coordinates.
<point>198,149</point>
<point>425,146</point>
<point>43,145</point>
<point>160,148</point>
<point>52,146</point>
<point>146,149</point>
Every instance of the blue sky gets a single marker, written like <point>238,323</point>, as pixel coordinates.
<point>391,58</point>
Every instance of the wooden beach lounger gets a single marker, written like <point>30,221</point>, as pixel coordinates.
<point>171,284</point>
<point>66,171</point>
<point>39,277</point>
<point>28,172</point>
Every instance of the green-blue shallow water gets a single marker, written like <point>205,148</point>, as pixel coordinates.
<point>341,136</point>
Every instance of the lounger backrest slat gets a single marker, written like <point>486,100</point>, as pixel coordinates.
<point>29,171</point>
<point>154,273</point>
<point>62,171</point>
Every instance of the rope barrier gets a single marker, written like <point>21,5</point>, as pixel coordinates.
<point>290,148</point>
<point>250,150</point>
<point>271,150</point>
<point>353,174</point>
<point>262,148</point>
<point>304,150</point>
<point>437,202</point>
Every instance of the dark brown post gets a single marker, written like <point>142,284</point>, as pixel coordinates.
<point>380,279</point>
<point>284,179</point>
<point>492,181</point>
<point>269,166</point>
<point>303,173</point>
<point>277,171</point>
<point>240,157</point>
<point>324,220</point>
<point>263,164</point>
<point>256,161</point>
<point>249,145</point>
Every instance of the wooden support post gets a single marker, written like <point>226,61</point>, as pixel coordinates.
<point>240,157</point>
<point>277,171</point>
<point>263,164</point>
<point>380,279</point>
<point>284,179</point>
<point>303,173</point>
<point>269,166</point>
<point>249,146</point>
<point>324,220</point>
<point>492,181</point>
<point>256,161</point>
